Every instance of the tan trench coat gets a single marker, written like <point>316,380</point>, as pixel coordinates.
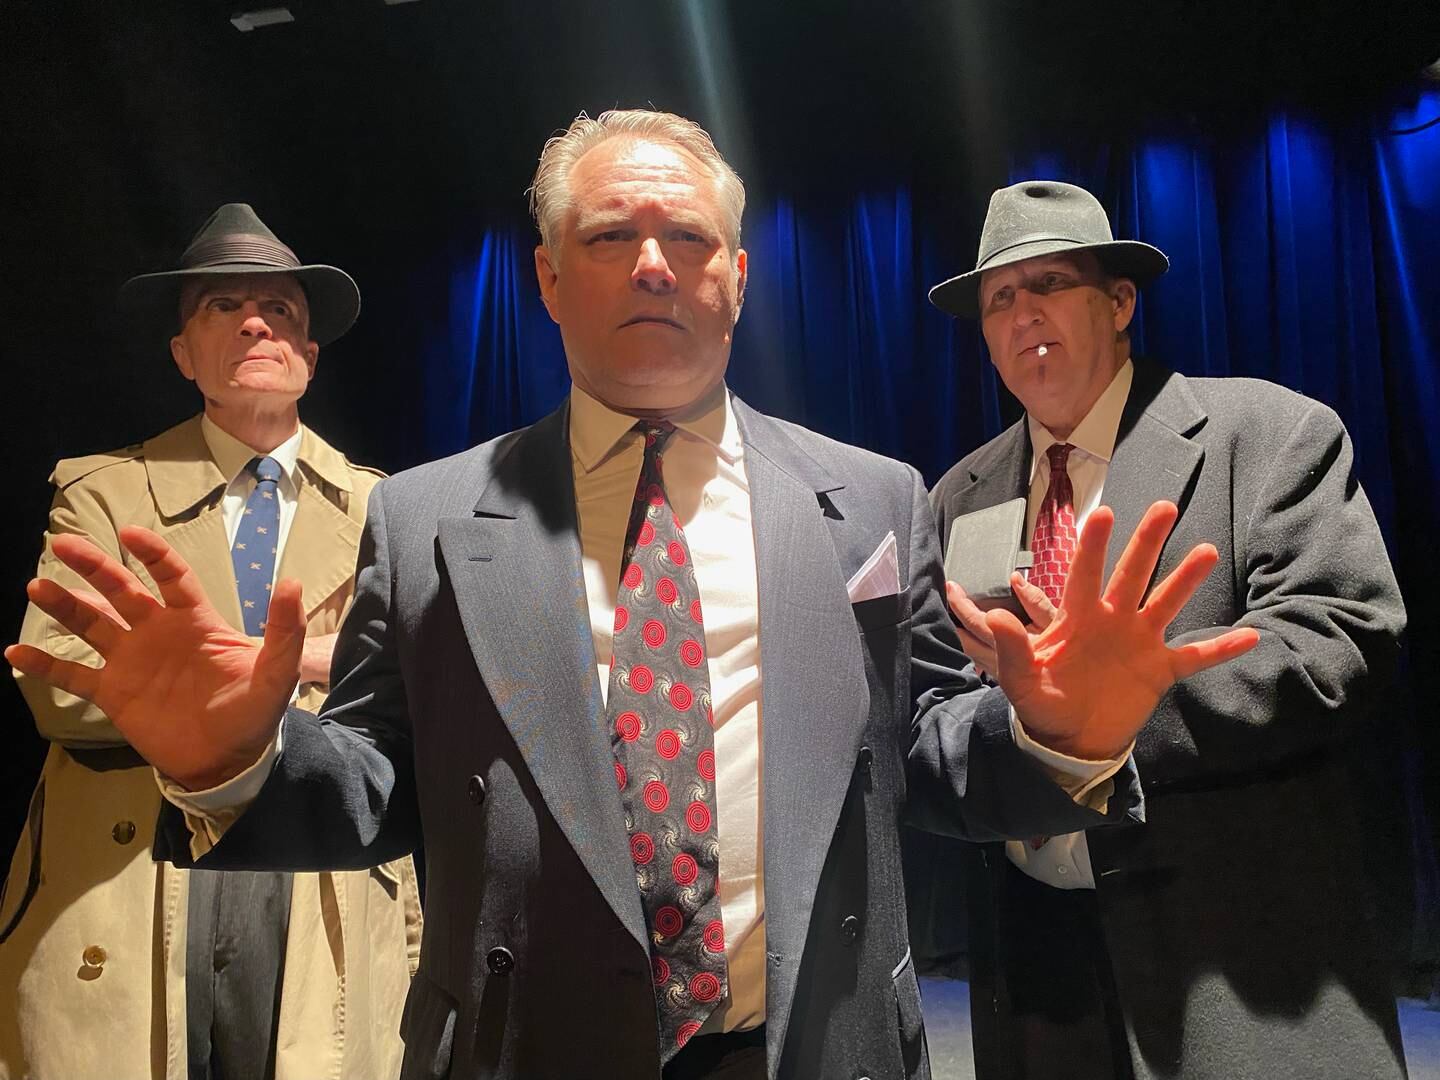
<point>92,930</point>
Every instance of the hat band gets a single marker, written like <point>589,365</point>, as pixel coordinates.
<point>247,248</point>
<point>1039,240</point>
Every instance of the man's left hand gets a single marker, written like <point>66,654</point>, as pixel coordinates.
<point>1086,684</point>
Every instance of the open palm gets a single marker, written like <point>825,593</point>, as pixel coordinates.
<point>1087,683</point>
<point>196,698</point>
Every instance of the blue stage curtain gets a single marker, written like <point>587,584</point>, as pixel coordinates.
<point>1302,254</point>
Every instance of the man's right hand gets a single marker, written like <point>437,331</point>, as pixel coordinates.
<point>196,698</point>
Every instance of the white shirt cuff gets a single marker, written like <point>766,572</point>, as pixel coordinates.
<point>210,812</point>
<point>1087,782</point>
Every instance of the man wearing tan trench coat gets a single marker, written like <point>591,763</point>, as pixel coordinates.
<point>93,931</point>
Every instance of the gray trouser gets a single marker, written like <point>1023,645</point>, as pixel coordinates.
<point>234,966</point>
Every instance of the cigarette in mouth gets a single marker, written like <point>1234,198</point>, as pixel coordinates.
<point>1041,351</point>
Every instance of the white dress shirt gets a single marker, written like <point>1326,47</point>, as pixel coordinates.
<point>231,456</point>
<point>1064,861</point>
<point>706,484</point>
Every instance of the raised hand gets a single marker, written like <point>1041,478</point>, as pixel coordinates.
<point>975,636</point>
<point>196,698</point>
<point>1086,684</point>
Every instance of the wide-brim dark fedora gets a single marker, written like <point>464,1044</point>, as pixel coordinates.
<point>1042,217</point>
<point>236,241</point>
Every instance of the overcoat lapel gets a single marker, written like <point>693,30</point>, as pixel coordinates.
<point>182,475</point>
<point>516,571</point>
<point>324,540</point>
<point>814,697</point>
<point>1154,457</point>
<point>321,547</point>
<point>1001,474</point>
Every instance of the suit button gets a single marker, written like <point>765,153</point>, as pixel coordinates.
<point>864,759</point>
<point>849,929</point>
<point>94,956</point>
<point>500,960</point>
<point>475,788</point>
<point>123,832</point>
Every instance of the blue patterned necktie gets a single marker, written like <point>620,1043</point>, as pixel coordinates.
<point>256,543</point>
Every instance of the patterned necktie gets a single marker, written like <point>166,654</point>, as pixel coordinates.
<point>1053,543</point>
<point>660,721</point>
<point>256,543</point>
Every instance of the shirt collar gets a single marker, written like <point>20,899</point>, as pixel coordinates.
<point>231,455</point>
<point>1097,432</point>
<point>598,431</point>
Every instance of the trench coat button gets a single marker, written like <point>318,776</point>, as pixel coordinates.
<point>123,832</point>
<point>500,960</point>
<point>849,929</point>
<point>864,759</point>
<point>475,788</point>
<point>94,956</point>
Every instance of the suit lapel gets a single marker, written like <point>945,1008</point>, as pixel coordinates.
<point>516,572</point>
<point>814,697</point>
<point>1154,457</point>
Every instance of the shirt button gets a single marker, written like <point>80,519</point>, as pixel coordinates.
<point>1062,869</point>
<point>94,956</point>
<point>475,788</point>
<point>123,832</point>
<point>500,960</point>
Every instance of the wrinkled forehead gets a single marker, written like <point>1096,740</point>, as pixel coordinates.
<point>627,171</point>
<point>1084,263</point>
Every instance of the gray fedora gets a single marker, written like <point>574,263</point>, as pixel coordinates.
<point>1041,217</point>
<point>236,241</point>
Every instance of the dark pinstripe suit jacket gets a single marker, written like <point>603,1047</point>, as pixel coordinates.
<point>466,714</point>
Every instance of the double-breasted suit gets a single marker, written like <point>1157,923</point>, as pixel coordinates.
<point>467,711</point>
<point>92,927</point>
<point>1236,918</point>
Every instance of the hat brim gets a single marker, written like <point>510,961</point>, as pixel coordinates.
<point>331,294</point>
<point>1131,259</point>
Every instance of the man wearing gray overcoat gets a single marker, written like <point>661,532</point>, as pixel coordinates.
<point>1230,934</point>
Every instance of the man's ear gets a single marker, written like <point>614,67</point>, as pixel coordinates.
<point>742,264</point>
<point>312,356</point>
<point>548,276</point>
<point>181,355</point>
<point>1122,295</point>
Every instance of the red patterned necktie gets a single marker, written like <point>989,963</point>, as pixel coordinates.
<point>1053,543</point>
<point>660,722</point>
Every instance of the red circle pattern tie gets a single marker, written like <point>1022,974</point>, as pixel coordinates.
<point>661,721</point>
<point>1055,537</point>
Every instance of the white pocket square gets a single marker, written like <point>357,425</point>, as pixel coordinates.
<point>880,576</point>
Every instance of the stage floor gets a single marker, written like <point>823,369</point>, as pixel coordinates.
<point>947,1026</point>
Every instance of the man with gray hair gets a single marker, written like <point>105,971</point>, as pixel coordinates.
<point>644,678</point>
<point>1231,934</point>
<point>112,964</point>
